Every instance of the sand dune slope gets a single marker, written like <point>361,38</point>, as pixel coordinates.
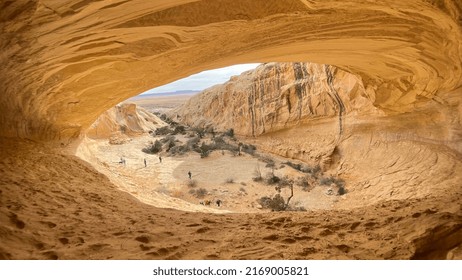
<point>55,206</point>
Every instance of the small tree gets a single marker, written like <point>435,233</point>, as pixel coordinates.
<point>277,203</point>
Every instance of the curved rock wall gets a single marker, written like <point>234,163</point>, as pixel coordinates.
<point>66,62</point>
<point>275,96</point>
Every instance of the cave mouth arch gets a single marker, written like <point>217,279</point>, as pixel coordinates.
<point>63,73</point>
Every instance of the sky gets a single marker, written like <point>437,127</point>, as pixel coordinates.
<point>204,79</point>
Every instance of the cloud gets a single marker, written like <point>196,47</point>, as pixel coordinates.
<point>204,79</point>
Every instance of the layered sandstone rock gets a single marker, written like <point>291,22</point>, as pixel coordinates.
<point>325,116</point>
<point>66,62</point>
<point>275,96</point>
<point>123,120</point>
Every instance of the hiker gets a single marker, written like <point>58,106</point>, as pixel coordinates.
<point>160,159</point>
<point>145,165</point>
<point>189,174</point>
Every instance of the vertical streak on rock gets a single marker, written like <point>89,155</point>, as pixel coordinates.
<point>251,106</point>
<point>299,88</point>
<point>305,84</point>
<point>262,104</point>
<point>308,81</point>
<point>334,95</point>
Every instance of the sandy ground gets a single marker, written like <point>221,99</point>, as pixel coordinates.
<point>56,206</point>
<point>165,184</point>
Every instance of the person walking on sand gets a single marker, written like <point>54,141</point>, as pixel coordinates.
<point>160,159</point>
<point>189,174</point>
<point>145,164</point>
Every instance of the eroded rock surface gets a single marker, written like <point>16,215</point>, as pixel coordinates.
<point>276,96</point>
<point>66,62</point>
<point>123,121</point>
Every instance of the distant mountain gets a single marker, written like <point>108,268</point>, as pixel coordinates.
<point>178,92</point>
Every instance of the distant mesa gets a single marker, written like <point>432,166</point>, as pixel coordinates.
<point>171,93</point>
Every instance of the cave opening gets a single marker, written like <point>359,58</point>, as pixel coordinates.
<point>155,140</point>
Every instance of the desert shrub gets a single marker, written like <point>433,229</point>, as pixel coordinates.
<point>219,143</point>
<point>123,128</point>
<point>272,179</point>
<point>296,166</point>
<point>275,203</point>
<point>168,138</point>
<point>257,174</point>
<point>327,181</point>
<point>242,190</point>
<point>180,129</point>
<point>169,142</point>
<point>249,149</point>
<point>229,181</point>
<point>219,140</point>
<point>165,130</point>
<point>205,150</point>
<point>341,190</point>
<point>192,183</point>
<point>271,164</point>
<point>154,148</point>
<point>200,131</point>
<point>209,129</point>
<point>166,119</point>
<point>304,168</point>
<point>200,193</point>
<point>192,143</point>
<point>229,132</point>
<point>285,181</point>
<point>304,183</point>
<point>315,171</point>
<point>178,150</point>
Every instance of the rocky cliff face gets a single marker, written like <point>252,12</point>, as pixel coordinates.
<point>279,95</point>
<point>123,119</point>
<point>322,115</point>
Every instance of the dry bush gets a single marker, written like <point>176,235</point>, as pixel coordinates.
<point>165,130</point>
<point>154,148</point>
<point>275,203</point>
<point>229,181</point>
<point>192,183</point>
<point>272,179</point>
<point>305,182</point>
<point>200,193</point>
<point>257,174</point>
